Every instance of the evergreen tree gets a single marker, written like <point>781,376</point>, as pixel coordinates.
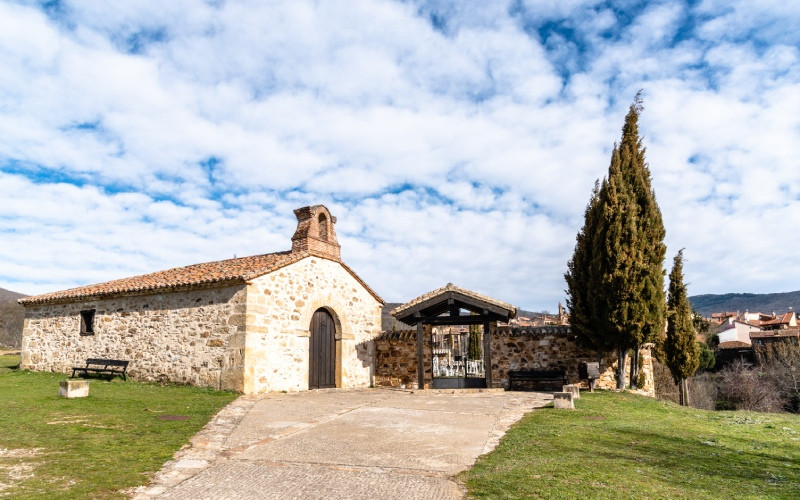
<point>580,287</point>
<point>680,347</point>
<point>615,280</point>
<point>706,358</point>
<point>474,342</point>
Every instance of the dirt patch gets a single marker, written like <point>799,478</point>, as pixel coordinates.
<point>20,452</point>
<point>69,420</point>
<point>17,465</point>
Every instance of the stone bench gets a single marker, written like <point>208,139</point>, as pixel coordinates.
<point>73,389</point>
<point>563,401</point>
<point>574,389</point>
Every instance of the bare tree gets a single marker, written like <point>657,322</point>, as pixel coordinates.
<point>742,388</point>
<point>780,361</point>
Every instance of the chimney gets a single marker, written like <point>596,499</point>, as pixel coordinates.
<point>315,232</point>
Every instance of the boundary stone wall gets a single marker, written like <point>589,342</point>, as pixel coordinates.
<point>529,348</point>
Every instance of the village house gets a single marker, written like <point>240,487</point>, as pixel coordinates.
<point>763,338</point>
<point>284,321</point>
<point>738,333</point>
<point>734,330</point>
<point>779,322</point>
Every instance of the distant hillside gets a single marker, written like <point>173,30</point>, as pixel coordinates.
<point>11,317</point>
<point>387,320</point>
<point>753,302</point>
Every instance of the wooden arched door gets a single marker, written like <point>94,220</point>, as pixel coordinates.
<point>322,351</point>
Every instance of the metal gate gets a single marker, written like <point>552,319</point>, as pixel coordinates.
<point>322,351</point>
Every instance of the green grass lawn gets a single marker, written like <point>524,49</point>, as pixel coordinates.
<point>619,445</point>
<point>52,447</point>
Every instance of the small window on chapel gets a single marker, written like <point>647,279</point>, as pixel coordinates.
<point>87,322</point>
<point>323,227</point>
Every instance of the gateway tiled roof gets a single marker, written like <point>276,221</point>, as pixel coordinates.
<point>512,310</point>
<point>197,275</point>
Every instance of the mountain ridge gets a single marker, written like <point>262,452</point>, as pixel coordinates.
<point>781,302</point>
<point>12,316</point>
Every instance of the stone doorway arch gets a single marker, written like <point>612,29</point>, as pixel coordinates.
<point>322,358</point>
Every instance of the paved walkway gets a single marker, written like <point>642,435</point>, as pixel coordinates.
<point>366,443</point>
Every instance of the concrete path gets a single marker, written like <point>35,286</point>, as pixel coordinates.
<point>367,443</point>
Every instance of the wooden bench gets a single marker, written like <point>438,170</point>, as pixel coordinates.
<point>523,378</point>
<point>109,367</point>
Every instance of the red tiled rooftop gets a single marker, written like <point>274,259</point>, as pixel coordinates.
<point>734,344</point>
<point>214,273</point>
<point>780,320</point>
<point>786,332</point>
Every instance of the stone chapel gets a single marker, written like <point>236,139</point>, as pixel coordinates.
<point>284,321</point>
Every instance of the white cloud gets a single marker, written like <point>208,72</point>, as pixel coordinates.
<point>454,142</point>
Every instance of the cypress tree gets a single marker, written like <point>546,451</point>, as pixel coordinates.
<point>680,347</point>
<point>650,251</point>
<point>579,288</point>
<point>615,280</point>
<point>474,342</point>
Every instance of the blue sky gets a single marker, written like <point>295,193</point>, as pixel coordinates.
<point>454,141</point>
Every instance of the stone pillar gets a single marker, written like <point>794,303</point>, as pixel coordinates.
<point>73,389</point>
<point>574,389</point>
<point>563,401</point>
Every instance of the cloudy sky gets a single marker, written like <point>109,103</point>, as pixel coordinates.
<point>455,141</point>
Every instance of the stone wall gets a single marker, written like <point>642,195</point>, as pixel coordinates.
<point>280,306</point>
<point>194,337</point>
<point>532,348</point>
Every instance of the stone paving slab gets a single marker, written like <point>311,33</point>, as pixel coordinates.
<point>411,439</point>
<point>360,443</point>
<point>248,480</point>
<point>280,415</point>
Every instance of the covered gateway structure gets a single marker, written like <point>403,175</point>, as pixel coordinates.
<point>453,306</point>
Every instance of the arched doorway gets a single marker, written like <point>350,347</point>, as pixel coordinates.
<point>322,351</point>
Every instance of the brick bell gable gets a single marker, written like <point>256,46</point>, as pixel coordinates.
<point>315,232</point>
<point>315,236</point>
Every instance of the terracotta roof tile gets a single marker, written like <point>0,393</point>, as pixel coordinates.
<point>780,320</point>
<point>734,344</point>
<point>237,270</point>
<point>785,332</point>
<point>398,311</point>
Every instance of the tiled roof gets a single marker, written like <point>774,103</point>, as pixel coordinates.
<point>786,332</point>
<point>780,320</point>
<point>734,344</point>
<point>207,274</point>
<point>512,310</point>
